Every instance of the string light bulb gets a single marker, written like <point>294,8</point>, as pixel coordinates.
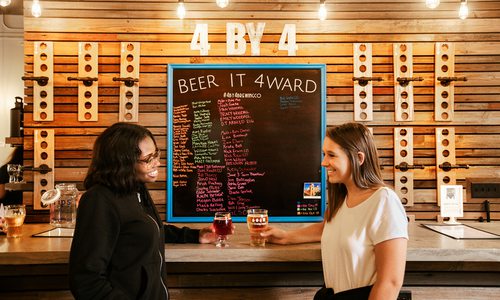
<point>432,3</point>
<point>463,12</point>
<point>181,10</point>
<point>222,3</point>
<point>5,3</point>
<point>322,12</point>
<point>36,9</point>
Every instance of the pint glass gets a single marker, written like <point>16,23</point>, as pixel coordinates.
<point>257,220</point>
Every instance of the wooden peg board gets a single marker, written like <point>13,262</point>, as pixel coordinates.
<point>363,95</point>
<point>444,95</point>
<point>43,96</point>
<point>88,95</point>
<point>403,152</point>
<point>403,95</point>
<point>43,154</point>
<point>445,152</point>
<point>129,96</point>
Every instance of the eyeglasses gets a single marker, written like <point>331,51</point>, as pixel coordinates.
<point>150,159</point>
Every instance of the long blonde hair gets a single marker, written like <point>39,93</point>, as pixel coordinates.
<point>354,138</point>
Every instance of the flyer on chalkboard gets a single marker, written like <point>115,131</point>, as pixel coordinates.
<point>245,136</point>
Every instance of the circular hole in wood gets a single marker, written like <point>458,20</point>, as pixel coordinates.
<point>403,153</point>
<point>44,145</point>
<point>130,68</point>
<point>44,155</point>
<point>363,105</point>
<point>403,179</point>
<point>128,116</point>
<point>88,116</point>
<point>43,56</point>
<point>362,47</point>
<point>88,68</point>
<point>362,58</point>
<point>88,94</point>
<point>404,95</point>
<point>445,142</point>
<point>444,47</point>
<point>445,132</point>
<point>43,115</point>
<point>43,46</point>
<point>43,94</point>
<point>43,105</point>
<point>404,116</point>
<point>129,105</point>
<point>402,47</point>
<point>444,68</point>
<point>446,153</point>
<point>44,134</point>
<point>402,58</point>
<point>404,190</point>
<point>44,182</point>
<point>129,95</point>
<point>363,116</point>
<point>362,94</point>
<point>87,57</point>
<point>44,67</point>
<point>444,57</point>
<point>41,193</point>
<point>444,105</point>
<point>88,105</point>
<point>88,46</point>
<point>444,116</point>
<point>444,94</point>
<point>130,57</point>
<point>404,201</point>
<point>404,105</point>
<point>130,47</point>
<point>446,179</point>
<point>403,132</point>
<point>403,143</point>
<point>362,68</point>
<point>403,69</point>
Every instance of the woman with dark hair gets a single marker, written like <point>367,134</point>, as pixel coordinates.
<point>364,235</point>
<point>119,241</point>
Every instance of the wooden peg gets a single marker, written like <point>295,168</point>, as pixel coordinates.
<point>129,89</point>
<point>88,90</point>
<point>403,81</point>
<point>445,154</point>
<point>363,89</point>
<point>43,90</point>
<point>43,158</point>
<point>444,95</point>
<point>403,154</point>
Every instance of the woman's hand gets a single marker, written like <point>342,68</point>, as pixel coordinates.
<point>276,235</point>
<point>208,236</point>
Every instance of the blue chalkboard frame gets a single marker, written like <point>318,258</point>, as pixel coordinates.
<point>169,191</point>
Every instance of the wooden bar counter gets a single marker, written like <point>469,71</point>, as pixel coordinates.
<point>455,269</point>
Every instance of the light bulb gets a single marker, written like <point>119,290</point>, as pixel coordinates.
<point>222,3</point>
<point>322,12</point>
<point>463,12</point>
<point>36,9</point>
<point>181,10</point>
<point>432,3</point>
<point>4,3</point>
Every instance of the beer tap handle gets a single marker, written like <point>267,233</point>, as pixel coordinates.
<point>87,81</point>
<point>404,81</point>
<point>41,80</point>
<point>403,166</point>
<point>363,81</point>
<point>445,81</point>
<point>129,81</point>
<point>43,169</point>
<point>448,167</point>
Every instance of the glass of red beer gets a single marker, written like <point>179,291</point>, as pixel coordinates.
<point>223,226</point>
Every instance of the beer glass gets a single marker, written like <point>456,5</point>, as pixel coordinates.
<point>257,220</point>
<point>12,171</point>
<point>223,226</point>
<point>13,220</point>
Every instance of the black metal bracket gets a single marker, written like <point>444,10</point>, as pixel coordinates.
<point>41,80</point>
<point>448,167</point>
<point>404,81</point>
<point>87,81</point>
<point>43,169</point>
<point>363,81</point>
<point>404,166</point>
<point>129,81</point>
<point>445,81</point>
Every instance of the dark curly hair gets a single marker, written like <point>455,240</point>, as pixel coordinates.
<point>114,156</point>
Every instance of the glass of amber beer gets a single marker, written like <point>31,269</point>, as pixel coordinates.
<point>257,220</point>
<point>222,226</point>
<point>14,219</point>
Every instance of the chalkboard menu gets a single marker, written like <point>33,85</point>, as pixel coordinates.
<point>245,136</point>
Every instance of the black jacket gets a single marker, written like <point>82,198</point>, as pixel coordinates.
<point>118,247</point>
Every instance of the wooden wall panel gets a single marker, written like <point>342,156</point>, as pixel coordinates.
<point>165,39</point>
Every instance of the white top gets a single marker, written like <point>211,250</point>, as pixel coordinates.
<point>349,239</point>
